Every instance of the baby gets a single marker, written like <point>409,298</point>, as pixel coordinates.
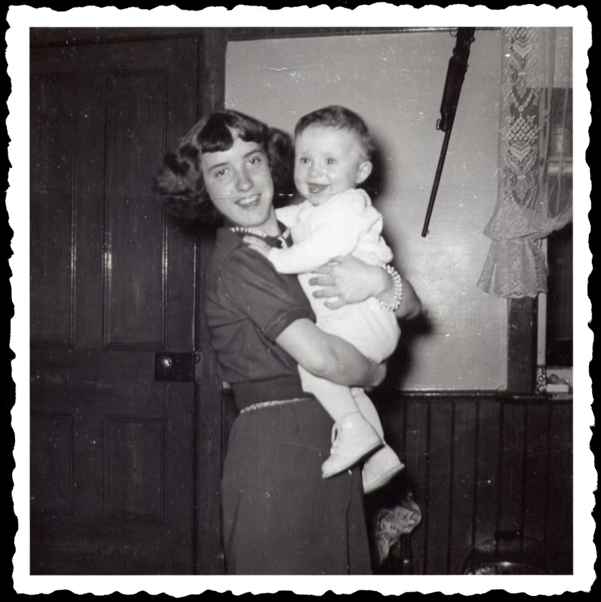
<point>332,156</point>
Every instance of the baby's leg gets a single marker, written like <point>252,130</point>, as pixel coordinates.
<point>353,436</point>
<point>384,464</point>
<point>367,408</point>
<point>337,400</point>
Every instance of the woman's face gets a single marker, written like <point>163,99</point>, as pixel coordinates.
<point>238,182</point>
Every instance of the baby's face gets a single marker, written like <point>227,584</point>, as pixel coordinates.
<point>328,161</point>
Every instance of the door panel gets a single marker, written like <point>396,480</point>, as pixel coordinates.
<point>113,283</point>
<point>52,205</point>
<point>117,454</point>
<point>134,228</point>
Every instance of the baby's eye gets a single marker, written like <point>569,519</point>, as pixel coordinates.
<point>330,161</point>
<point>303,160</point>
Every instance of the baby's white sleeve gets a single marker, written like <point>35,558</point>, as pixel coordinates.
<point>335,234</point>
<point>288,214</point>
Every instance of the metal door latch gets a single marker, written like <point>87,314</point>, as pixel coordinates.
<point>174,367</point>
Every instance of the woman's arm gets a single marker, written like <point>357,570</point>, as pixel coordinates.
<point>328,356</point>
<point>350,280</point>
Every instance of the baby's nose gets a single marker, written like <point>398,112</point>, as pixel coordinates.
<point>315,168</point>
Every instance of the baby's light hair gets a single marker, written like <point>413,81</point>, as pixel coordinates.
<point>338,117</point>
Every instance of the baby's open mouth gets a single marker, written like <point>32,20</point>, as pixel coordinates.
<point>317,188</point>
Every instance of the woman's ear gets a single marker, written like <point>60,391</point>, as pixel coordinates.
<point>363,172</point>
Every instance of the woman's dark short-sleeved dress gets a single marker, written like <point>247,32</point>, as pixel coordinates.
<point>279,515</point>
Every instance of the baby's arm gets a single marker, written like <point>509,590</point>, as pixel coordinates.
<point>288,214</point>
<point>298,259</point>
<point>308,254</point>
<point>313,252</point>
<point>332,231</point>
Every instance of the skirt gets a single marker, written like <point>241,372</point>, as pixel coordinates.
<point>280,517</point>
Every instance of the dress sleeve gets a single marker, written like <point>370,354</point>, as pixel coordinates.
<point>270,300</point>
<point>335,230</point>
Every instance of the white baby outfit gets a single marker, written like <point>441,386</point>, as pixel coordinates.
<point>346,224</point>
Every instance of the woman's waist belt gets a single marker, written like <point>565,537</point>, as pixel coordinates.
<point>274,402</point>
<point>271,389</point>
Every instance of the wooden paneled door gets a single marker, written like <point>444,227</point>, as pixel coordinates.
<point>114,287</point>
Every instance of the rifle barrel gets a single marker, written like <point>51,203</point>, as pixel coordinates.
<point>443,154</point>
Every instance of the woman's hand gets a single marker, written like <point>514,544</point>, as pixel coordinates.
<point>348,280</point>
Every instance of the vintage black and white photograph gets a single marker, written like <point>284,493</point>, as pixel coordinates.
<point>211,385</point>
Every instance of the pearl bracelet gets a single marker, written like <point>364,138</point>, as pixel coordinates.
<point>398,290</point>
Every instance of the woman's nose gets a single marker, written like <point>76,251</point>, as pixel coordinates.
<point>243,180</point>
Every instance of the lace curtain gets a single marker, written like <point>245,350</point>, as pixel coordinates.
<point>534,197</point>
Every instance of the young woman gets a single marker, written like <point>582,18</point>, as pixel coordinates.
<point>279,515</point>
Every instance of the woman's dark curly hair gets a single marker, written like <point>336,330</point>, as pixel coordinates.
<point>180,180</point>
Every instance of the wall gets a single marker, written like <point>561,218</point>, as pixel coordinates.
<point>395,82</point>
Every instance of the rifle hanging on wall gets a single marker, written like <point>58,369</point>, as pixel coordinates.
<point>448,107</point>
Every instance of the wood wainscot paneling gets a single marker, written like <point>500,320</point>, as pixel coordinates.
<point>479,465</point>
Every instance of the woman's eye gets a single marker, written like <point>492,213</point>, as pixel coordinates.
<point>255,160</point>
<point>220,173</point>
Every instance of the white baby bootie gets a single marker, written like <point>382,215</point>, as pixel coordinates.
<point>380,468</point>
<point>352,440</point>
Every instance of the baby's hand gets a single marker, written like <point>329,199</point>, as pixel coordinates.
<point>257,244</point>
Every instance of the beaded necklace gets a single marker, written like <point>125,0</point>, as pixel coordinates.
<point>255,232</point>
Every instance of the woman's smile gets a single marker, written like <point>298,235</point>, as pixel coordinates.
<point>249,202</point>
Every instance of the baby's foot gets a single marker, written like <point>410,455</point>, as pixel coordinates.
<point>352,440</point>
<point>380,468</point>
